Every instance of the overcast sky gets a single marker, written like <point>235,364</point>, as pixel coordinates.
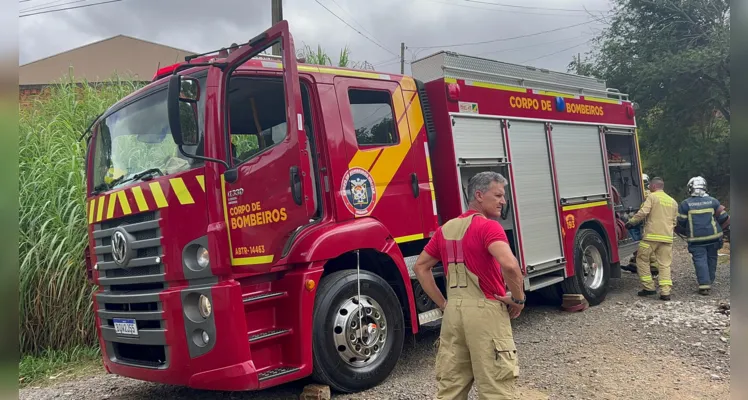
<point>426,26</point>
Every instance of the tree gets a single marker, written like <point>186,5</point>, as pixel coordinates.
<point>672,57</point>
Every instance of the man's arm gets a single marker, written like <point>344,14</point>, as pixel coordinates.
<point>423,267</point>
<point>682,215</point>
<point>642,213</point>
<point>501,251</point>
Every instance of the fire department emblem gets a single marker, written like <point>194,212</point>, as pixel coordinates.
<point>358,191</point>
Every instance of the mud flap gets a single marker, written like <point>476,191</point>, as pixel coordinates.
<point>615,270</point>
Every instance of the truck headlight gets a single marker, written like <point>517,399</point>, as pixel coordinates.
<point>203,258</point>
<point>204,306</point>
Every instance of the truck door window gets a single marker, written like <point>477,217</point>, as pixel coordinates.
<point>373,117</point>
<point>257,109</point>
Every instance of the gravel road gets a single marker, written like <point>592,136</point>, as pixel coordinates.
<point>626,348</point>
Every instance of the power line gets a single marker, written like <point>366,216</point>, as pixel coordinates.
<point>387,61</point>
<point>69,8</point>
<point>556,52</point>
<point>350,26</point>
<point>47,5</point>
<point>532,45</point>
<point>356,21</point>
<point>507,38</point>
<point>463,4</point>
<point>533,8</point>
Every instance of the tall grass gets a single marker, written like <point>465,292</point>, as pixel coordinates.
<point>55,298</point>
<point>320,57</point>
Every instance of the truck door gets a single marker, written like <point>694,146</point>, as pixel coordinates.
<point>379,178</point>
<point>273,194</point>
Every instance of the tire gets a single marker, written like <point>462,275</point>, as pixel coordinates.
<point>593,290</point>
<point>330,331</point>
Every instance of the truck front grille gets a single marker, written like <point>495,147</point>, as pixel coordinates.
<point>131,291</point>
<point>144,248</point>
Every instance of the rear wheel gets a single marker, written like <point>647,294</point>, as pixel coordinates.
<point>591,268</point>
<point>356,343</point>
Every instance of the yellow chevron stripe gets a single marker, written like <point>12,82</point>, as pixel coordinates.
<point>409,238</point>
<point>110,206</point>
<point>91,210</point>
<point>602,100</point>
<point>201,181</point>
<point>496,86</point>
<point>408,83</point>
<point>123,203</point>
<point>252,260</point>
<point>100,209</point>
<point>226,218</point>
<point>586,205</point>
<point>180,190</point>
<point>428,162</point>
<point>555,94</point>
<point>137,192</point>
<point>392,157</point>
<point>158,195</point>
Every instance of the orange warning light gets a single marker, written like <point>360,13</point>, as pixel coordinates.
<point>310,285</point>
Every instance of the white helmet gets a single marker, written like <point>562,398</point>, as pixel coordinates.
<point>697,186</point>
<point>645,179</point>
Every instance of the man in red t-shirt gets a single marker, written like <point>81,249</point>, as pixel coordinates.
<point>476,341</point>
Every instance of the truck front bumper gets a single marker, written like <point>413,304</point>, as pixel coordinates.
<point>164,348</point>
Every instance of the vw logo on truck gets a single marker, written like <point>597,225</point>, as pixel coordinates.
<point>119,247</point>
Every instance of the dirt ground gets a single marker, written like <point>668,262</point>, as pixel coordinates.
<point>625,348</point>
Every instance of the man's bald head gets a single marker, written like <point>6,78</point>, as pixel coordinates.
<point>656,183</point>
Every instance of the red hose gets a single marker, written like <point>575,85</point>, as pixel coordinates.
<point>621,230</point>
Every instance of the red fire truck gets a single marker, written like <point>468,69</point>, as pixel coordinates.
<point>254,220</point>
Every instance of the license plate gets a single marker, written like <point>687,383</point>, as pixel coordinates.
<point>126,327</point>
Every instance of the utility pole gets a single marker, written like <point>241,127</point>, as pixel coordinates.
<point>402,58</point>
<point>277,11</point>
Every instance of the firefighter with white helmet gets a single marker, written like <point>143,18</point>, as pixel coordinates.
<point>702,220</point>
<point>645,180</point>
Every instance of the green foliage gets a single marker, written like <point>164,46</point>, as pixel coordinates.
<point>320,57</point>
<point>672,57</point>
<point>55,298</point>
<point>53,365</point>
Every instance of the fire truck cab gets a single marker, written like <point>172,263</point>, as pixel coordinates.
<point>254,220</point>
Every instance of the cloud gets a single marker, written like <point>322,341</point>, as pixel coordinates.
<point>206,25</point>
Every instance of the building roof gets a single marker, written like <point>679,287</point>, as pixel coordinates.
<point>99,61</point>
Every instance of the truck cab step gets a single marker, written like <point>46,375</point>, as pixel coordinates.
<point>269,334</point>
<point>252,298</point>
<point>277,373</point>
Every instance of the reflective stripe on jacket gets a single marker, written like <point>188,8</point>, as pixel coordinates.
<point>659,212</point>
<point>696,218</point>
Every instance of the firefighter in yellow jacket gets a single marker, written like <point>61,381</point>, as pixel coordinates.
<point>631,267</point>
<point>659,213</point>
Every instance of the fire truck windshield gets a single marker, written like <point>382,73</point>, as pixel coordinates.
<point>135,141</point>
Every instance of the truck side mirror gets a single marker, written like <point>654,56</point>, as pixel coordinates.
<point>183,93</point>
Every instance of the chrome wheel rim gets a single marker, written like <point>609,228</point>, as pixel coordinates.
<point>359,332</point>
<point>592,266</point>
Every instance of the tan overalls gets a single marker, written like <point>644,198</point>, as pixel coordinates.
<point>476,341</point>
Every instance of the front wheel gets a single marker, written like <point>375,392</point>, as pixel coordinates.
<point>591,268</point>
<point>355,343</point>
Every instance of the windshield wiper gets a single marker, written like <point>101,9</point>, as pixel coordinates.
<point>145,175</point>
